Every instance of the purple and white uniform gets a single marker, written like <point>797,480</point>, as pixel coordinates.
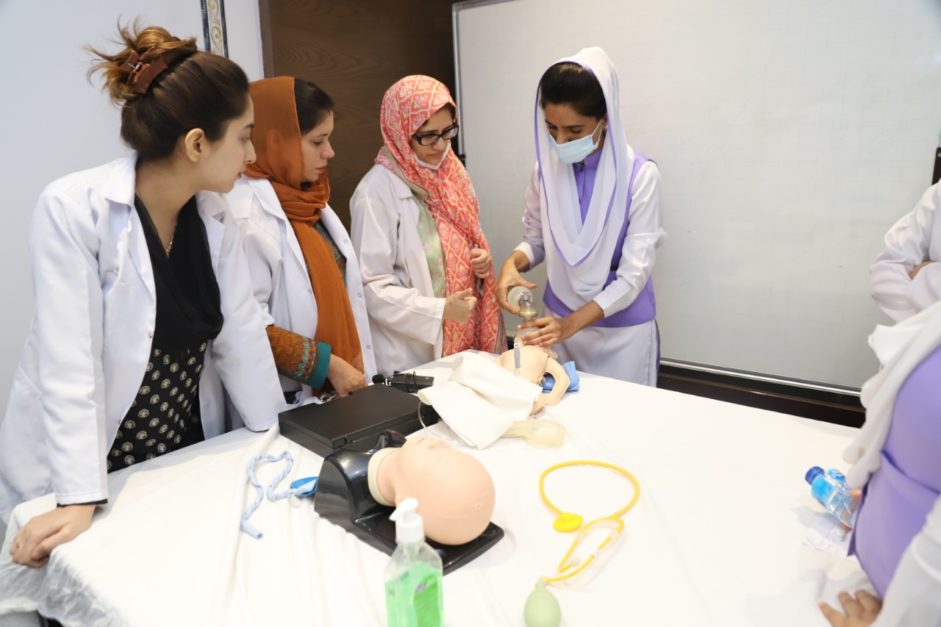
<point>896,457</point>
<point>597,225</point>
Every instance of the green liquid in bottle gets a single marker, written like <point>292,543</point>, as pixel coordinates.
<point>413,599</point>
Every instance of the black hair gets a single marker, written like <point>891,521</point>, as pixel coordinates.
<point>570,83</point>
<point>312,104</point>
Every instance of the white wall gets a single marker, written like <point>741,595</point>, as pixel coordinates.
<point>244,35</point>
<point>53,121</point>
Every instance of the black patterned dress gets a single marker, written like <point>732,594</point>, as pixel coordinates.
<point>164,415</point>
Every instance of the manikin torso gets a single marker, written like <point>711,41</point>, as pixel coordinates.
<point>534,363</point>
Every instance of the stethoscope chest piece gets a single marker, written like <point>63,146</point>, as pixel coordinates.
<point>567,522</point>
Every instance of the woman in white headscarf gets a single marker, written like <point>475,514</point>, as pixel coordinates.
<point>897,535</point>
<point>593,214</point>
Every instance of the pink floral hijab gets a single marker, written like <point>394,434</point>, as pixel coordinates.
<point>451,199</point>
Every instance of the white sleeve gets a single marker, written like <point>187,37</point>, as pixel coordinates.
<point>914,595</point>
<point>374,231</point>
<point>906,245</point>
<point>532,245</point>
<point>262,256</point>
<point>69,322</point>
<point>644,234</point>
<point>241,352</point>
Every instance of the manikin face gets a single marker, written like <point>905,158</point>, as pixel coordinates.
<point>420,455</point>
<point>455,492</point>
<point>316,149</point>
<point>227,157</point>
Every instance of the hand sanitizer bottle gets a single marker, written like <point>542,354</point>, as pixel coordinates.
<point>413,576</point>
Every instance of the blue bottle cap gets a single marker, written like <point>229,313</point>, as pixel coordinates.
<point>836,475</point>
<point>812,474</point>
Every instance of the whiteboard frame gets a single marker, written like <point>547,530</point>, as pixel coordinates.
<point>456,9</point>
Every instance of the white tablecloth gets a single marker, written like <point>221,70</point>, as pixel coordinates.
<point>716,538</point>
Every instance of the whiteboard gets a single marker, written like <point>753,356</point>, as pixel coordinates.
<point>790,135</point>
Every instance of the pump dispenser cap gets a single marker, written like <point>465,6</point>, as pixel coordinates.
<point>408,523</point>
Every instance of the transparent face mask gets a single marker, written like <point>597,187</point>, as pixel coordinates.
<point>436,166</point>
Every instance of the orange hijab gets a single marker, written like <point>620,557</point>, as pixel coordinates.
<point>277,139</point>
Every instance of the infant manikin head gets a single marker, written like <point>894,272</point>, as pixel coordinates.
<point>454,491</point>
<point>536,361</point>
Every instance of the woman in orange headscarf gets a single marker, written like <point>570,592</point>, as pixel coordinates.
<point>426,265</point>
<point>303,268</point>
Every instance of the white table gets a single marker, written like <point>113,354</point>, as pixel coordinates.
<point>716,538</point>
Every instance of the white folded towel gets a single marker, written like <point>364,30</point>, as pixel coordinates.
<point>481,400</point>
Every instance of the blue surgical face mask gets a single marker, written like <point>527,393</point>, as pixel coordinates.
<point>578,149</point>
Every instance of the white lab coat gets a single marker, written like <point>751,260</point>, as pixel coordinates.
<point>915,238</point>
<point>279,273</point>
<point>90,340</point>
<point>913,597</point>
<point>405,316</point>
<point>626,353</point>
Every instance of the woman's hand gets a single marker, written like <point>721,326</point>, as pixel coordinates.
<point>459,305</point>
<point>344,377</point>
<point>549,330</point>
<point>481,262</point>
<point>34,542</point>
<point>509,277</point>
<point>860,611</point>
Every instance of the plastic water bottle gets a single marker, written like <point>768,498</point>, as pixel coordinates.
<point>830,489</point>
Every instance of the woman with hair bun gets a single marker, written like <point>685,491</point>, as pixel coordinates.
<point>144,308</point>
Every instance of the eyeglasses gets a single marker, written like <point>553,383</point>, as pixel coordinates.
<point>430,139</point>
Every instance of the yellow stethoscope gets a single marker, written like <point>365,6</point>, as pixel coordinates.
<point>542,609</point>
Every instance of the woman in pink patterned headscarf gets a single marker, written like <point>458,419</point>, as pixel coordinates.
<point>426,264</point>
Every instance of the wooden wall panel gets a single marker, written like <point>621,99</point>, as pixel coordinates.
<point>355,49</point>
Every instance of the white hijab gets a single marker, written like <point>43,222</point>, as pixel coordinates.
<point>586,251</point>
<point>900,349</point>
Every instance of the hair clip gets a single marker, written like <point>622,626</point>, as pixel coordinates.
<point>143,73</point>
